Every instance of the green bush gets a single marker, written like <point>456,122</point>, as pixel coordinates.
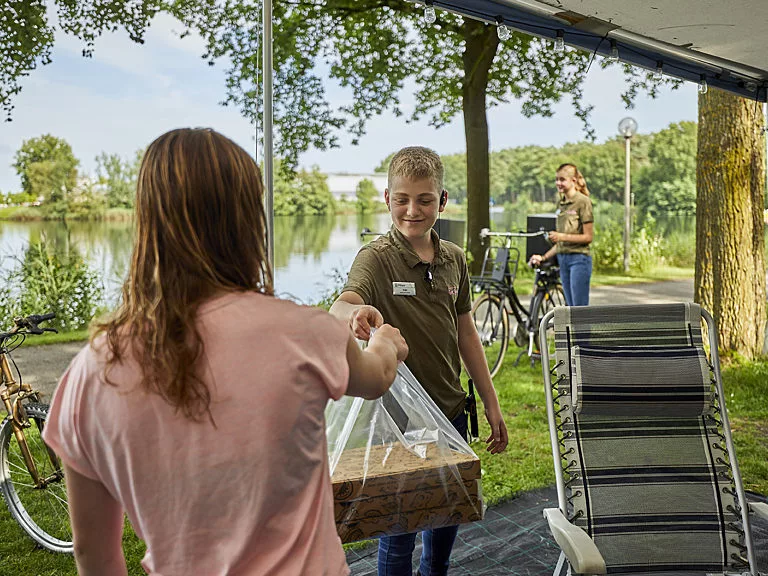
<point>58,281</point>
<point>646,251</point>
<point>646,248</point>
<point>608,247</point>
<point>679,249</point>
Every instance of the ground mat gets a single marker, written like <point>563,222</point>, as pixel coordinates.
<point>514,539</point>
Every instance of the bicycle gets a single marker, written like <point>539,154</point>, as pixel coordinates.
<point>499,300</point>
<point>31,475</point>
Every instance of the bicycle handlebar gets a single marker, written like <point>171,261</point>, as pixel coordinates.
<point>37,318</point>
<point>486,233</point>
<point>30,324</point>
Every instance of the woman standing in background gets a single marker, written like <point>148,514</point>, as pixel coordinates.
<point>574,234</point>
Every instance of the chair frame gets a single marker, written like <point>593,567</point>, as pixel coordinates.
<point>547,323</point>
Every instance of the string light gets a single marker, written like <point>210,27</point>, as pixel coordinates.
<point>659,70</point>
<point>614,56</point>
<point>559,42</point>
<point>703,85</point>
<point>501,29</point>
<point>429,13</point>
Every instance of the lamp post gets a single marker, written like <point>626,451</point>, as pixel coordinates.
<point>627,128</point>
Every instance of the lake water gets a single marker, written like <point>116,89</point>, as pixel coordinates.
<point>310,251</point>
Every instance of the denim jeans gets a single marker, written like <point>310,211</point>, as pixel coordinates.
<point>396,552</point>
<point>575,272</point>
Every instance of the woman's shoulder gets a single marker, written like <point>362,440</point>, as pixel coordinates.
<point>255,304</point>
<point>582,198</point>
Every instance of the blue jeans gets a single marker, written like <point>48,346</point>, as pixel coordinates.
<point>575,272</point>
<point>396,552</point>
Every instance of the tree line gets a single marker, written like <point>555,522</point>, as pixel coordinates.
<point>49,174</point>
<point>663,170</point>
<point>663,176</point>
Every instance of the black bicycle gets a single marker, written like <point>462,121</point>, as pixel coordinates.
<point>497,301</point>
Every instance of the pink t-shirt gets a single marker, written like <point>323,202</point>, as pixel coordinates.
<point>251,497</point>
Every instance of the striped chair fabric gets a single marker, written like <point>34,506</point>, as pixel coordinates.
<point>639,382</point>
<point>649,482</point>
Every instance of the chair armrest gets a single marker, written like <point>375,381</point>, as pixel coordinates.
<point>576,544</point>
<point>759,508</point>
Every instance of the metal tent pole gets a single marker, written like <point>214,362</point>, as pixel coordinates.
<point>268,145</point>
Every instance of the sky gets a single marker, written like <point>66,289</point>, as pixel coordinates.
<point>127,94</point>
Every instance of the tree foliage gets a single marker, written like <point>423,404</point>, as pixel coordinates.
<point>366,194</point>
<point>46,149</point>
<point>303,193</point>
<point>668,183</point>
<point>27,32</point>
<point>48,169</point>
<point>661,165</point>
<point>118,178</point>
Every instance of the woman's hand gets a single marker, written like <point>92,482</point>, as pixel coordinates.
<point>394,338</point>
<point>535,260</point>
<point>556,237</point>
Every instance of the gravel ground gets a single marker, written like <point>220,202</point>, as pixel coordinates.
<point>42,366</point>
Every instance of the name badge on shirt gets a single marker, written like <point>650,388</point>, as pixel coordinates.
<point>403,289</point>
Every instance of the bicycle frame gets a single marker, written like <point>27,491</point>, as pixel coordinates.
<point>15,410</point>
<point>543,281</point>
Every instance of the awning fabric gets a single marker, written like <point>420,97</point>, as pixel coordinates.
<point>721,42</point>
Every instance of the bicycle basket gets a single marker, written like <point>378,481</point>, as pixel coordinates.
<point>500,264</point>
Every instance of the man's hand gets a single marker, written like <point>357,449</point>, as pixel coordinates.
<point>392,335</point>
<point>535,260</point>
<point>498,440</point>
<point>556,237</point>
<point>363,319</point>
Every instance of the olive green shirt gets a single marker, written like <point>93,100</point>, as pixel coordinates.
<point>389,275</point>
<point>571,216</point>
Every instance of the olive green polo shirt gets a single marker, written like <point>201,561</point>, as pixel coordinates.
<point>389,275</point>
<point>571,216</point>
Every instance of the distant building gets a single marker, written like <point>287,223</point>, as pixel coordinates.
<point>343,184</point>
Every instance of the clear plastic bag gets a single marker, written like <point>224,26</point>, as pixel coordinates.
<point>398,465</point>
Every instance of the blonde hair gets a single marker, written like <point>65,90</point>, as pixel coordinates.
<point>200,230</point>
<point>580,182</point>
<point>416,163</point>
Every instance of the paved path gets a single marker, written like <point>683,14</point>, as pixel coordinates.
<point>647,293</point>
<point>41,366</point>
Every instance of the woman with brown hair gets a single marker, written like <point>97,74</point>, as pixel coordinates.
<point>198,407</point>
<point>574,234</point>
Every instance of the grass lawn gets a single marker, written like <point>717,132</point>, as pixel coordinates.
<point>527,463</point>
<point>52,338</point>
<point>524,280</point>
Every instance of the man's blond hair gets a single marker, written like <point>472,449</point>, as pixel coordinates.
<point>416,163</point>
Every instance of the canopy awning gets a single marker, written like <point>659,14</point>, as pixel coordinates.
<point>721,42</point>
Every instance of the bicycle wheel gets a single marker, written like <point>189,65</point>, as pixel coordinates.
<point>43,513</point>
<point>492,325</point>
<point>546,301</point>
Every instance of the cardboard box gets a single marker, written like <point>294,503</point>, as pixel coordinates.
<point>400,492</point>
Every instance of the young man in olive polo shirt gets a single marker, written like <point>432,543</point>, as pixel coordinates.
<point>418,283</point>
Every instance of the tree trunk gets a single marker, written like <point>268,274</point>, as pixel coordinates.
<point>481,44</point>
<point>730,261</point>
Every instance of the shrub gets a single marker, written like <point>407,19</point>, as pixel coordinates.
<point>58,281</point>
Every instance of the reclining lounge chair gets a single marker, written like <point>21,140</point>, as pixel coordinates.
<point>647,479</point>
